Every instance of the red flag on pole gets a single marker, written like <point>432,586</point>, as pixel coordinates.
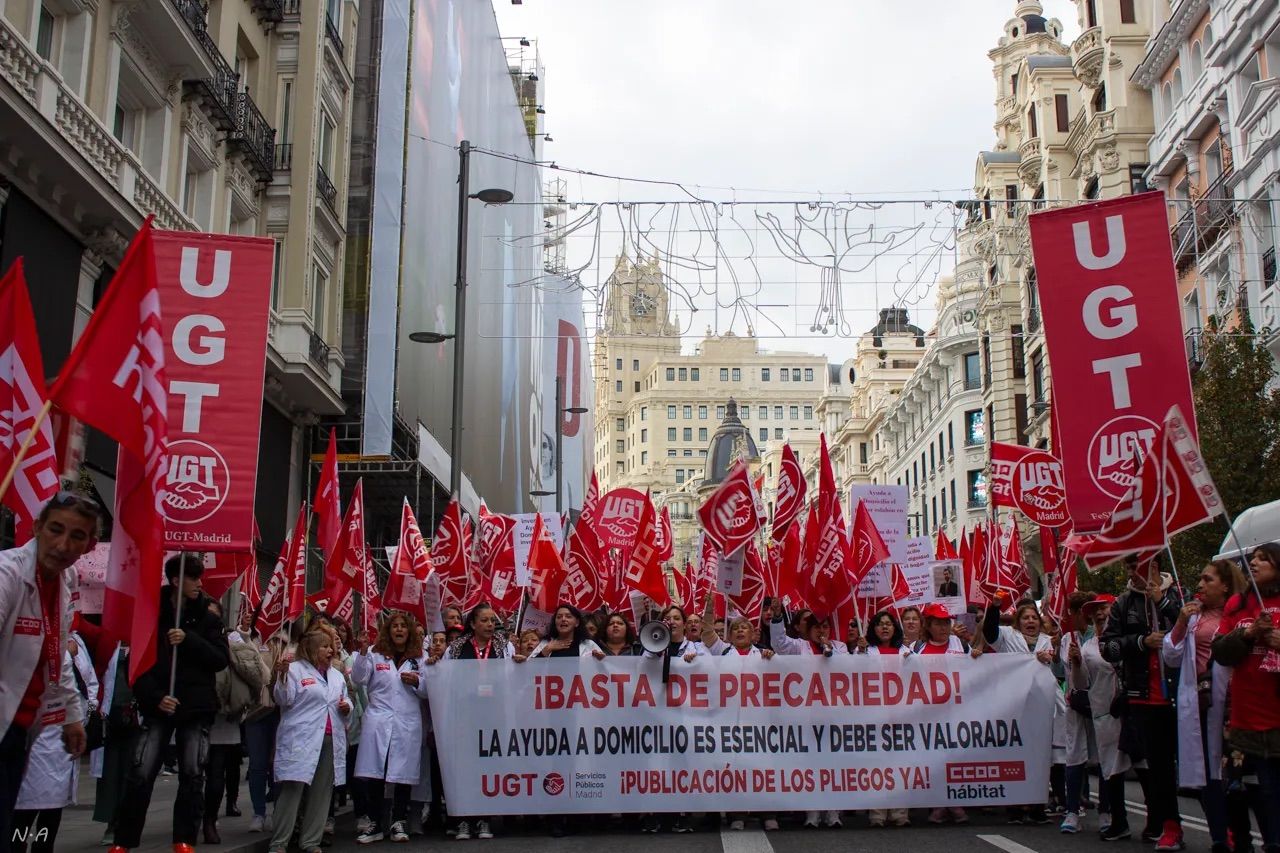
<point>327,501</point>
<point>644,569</point>
<point>868,546</point>
<point>22,403</point>
<point>666,539</point>
<point>342,569</point>
<point>410,569</point>
<point>250,593</point>
<point>296,567</point>
<point>791,493</point>
<point>729,515</point>
<point>114,380</point>
<point>944,550</point>
<point>448,556</point>
<point>271,607</point>
<point>750,602</point>
<point>1137,522</point>
<point>684,585</point>
<point>546,568</point>
<point>370,600</point>
<point>590,502</point>
<point>583,566</point>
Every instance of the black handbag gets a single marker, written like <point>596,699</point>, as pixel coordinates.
<point>1078,701</point>
<point>95,729</point>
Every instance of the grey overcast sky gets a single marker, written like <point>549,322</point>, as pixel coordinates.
<point>875,98</point>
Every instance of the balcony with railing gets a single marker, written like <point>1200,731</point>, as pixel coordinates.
<point>1194,338</point>
<point>283,156</point>
<point>1203,221</point>
<point>332,33</point>
<point>1033,320</point>
<point>326,189</point>
<point>254,136</point>
<point>319,352</point>
<point>1269,279</point>
<point>268,11</point>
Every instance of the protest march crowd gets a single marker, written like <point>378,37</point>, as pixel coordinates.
<point>1177,685</point>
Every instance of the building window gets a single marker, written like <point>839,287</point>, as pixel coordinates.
<point>620,469</point>
<point>671,413</point>
<point>684,374</point>
<point>671,433</point>
<point>44,33</point>
<point>1127,12</point>
<point>1010,199</point>
<point>744,412</point>
<point>795,374</point>
<point>695,374</point>
<point>808,374</point>
<point>795,413</point>
<point>319,294</point>
<point>737,374</point>
<point>719,413</point>
<point>986,360</point>
<point>764,374</point>
<point>702,413</point>
<point>977,489</point>
<point>1062,112</point>
<point>943,494</point>
<point>777,413</point>
<point>635,364</point>
<point>972,371</point>
<point>1100,98</point>
<point>702,433</point>
<point>1019,352</point>
<point>621,425</point>
<point>620,446</point>
<point>644,413</point>
<point>777,433</point>
<point>329,130</point>
<point>671,451</point>
<point>688,412</point>
<point>974,430</point>
<point>688,451</point>
<point>636,386</point>
<point>688,433</point>
<point>617,386</point>
<point>679,476</point>
<point>862,452</point>
<point>764,413</point>
<point>671,374</point>
<point>1037,377</point>
<point>764,433</point>
<point>644,457</point>
<point>724,374</point>
<point>784,375</point>
<point>617,364</point>
<point>808,413</point>
<point>644,436</point>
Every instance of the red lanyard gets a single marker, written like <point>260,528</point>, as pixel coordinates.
<point>51,644</point>
<point>488,647</point>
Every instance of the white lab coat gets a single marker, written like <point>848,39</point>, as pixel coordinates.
<point>1012,641</point>
<point>22,635</point>
<point>391,731</point>
<point>686,646</point>
<point>52,774</point>
<point>306,697</point>
<point>585,649</point>
<point>1102,691</point>
<point>902,651</point>
<point>720,647</point>
<point>1077,729</point>
<point>1191,757</point>
<point>784,645</point>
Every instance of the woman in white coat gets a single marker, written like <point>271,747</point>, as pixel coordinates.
<point>814,639</point>
<point>391,729</point>
<point>52,774</point>
<point>1202,691</point>
<point>566,637</point>
<point>311,741</point>
<point>1113,762</point>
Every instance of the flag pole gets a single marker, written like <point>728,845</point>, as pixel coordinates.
<point>26,446</point>
<point>1244,564</point>
<point>177,621</point>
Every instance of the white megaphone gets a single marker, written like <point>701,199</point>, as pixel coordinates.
<point>655,637</point>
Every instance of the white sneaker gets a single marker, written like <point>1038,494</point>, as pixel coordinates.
<point>463,832</point>
<point>1104,821</point>
<point>810,820</point>
<point>268,823</point>
<point>1070,823</point>
<point>482,829</point>
<point>833,820</point>
<point>369,836</point>
<point>770,825</point>
<point>398,834</point>
<point>258,824</point>
<point>363,824</point>
<point>737,825</point>
<point>328,826</point>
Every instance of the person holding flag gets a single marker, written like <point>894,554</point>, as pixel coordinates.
<point>175,701</point>
<point>37,582</point>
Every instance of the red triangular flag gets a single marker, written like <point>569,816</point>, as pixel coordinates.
<point>944,550</point>
<point>583,564</point>
<point>644,569</point>
<point>666,539</point>
<point>448,556</point>
<point>750,602</point>
<point>22,397</point>
<point>546,569</point>
<point>371,601</point>
<point>296,567</point>
<point>342,569</point>
<point>271,608</point>
<point>684,585</point>
<point>1137,522</point>
<point>410,569</point>
<point>791,492</point>
<point>867,545</point>
<point>729,515</point>
<point>591,502</point>
<point>327,502</point>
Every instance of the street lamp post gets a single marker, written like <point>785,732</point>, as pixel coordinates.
<point>561,411</point>
<point>459,335</point>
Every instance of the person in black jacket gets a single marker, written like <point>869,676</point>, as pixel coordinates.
<point>185,712</point>
<point>1140,617</point>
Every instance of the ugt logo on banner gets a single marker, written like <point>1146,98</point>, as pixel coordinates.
<point>1109,296</point>
<point>215,291</point>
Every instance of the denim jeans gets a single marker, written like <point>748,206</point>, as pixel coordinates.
<point>1267,810</point>
<point>145,757</point>
<point>260,744</point>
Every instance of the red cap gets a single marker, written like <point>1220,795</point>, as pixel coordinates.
<point>935,611</point>
<point>1099,600</point>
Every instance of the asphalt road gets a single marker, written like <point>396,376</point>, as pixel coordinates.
<point>988,832</point>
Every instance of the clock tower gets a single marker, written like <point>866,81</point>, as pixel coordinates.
<point>636,299</point>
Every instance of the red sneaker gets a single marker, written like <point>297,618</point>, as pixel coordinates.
<point>1171,838</point>
<point>183,847</point>
<point>116,848</point>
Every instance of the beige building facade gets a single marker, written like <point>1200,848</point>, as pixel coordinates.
<point>231,116</point>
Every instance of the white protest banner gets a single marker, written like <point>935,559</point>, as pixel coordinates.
<point>91,569</point>
<point>888,508</point>
<point>917,572</point>
<point>739,734</point>
<point>877,582</point>
<point>523,539</point>
<point>946,581</point>
<point>729,571</point>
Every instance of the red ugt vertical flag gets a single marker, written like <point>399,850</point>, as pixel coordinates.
<point>791,492</point>
<point>296,567</point>
<point>868,545</point>
<point>546,567</point>
<point>644,570</point>
<point>114,380</point>
<point>343,567</point>
<point>411,566</point>
<point>327,501</point>
<point>22,396</point>
<point>448,556</point>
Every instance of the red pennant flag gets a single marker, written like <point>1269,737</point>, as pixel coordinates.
<point>371,601</point>
<point>944,550</point>
<point>591,501</point>
<point>114,380</point>
<point>1004,458</point>
<point>328,502</point>
<point>787,572</point>
<point>346,608</point>
<point>221,570</point>
<point>973,551</point>
<point>250,593</point>
<point>791,493</point>
<point>868,546</point>
<point>583,565</point>
<point>448,556</point>
<point>704,580</point>
<point>22,399</point>
<point>729,515</point>
<point>342,569</point>
<point>1013,570</point>
<point>296,567</point>
<point>614,588</point>
<point>410,569</point>
<point>750,602</point>
<point>644,569</point>
<point>1137,522</point>
<point>684,585</point>
<point>501,590</point>
<point>757,489</point>
<point>271,608</point>
<point>900,588</point>
<point>546,568</point>
<point>666,539</point>
<point>825,582</point>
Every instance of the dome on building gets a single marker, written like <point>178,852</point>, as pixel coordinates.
<point>727,445</point>
<point>1035,24</point>
<point>894,321</point>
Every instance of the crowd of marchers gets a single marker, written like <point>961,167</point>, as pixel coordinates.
<point>1176,683</point>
